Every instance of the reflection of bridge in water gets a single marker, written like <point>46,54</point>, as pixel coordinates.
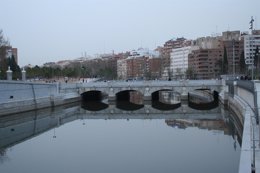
<point>17,128</point>
<point>147,111</point>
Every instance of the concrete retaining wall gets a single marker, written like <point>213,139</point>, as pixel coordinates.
<point>241,108</point>
<point>16,91</point>
<point>25,96</point>
<point>246,96</point>
<point>242,102</point>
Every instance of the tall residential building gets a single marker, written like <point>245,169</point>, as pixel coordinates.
<point>179,61</point>
<point>251,41</point>
<point>8,52</point>
<point>140,64</point>
<point>121,68</point>
<point>205,63</point>
<point>155,67</point>
<point>234,44</point>
<point>166,50</point>
<point>234,50</point>
<point>137,67</point>
<point>211,53</point>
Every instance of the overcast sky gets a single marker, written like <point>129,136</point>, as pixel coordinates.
<point>53,30</point>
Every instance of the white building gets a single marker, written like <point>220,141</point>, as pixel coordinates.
<point>121,69</point>
<point>179,61</point>
<point>250,44</point>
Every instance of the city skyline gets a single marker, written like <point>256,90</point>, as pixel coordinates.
<point>49,31</point>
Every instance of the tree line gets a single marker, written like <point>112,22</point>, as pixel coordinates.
<point>73,70</point>
<point>9,61</point>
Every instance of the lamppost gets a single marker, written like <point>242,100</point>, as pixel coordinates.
<point>233,42</point>
<point>252,69</point>
<point>250,43</point>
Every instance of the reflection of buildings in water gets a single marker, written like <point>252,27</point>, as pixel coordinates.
<point>136,97</point>
<point>169,97</point>
<point>201,124</point>
<point>181,124</point>
<point>201,96</point>
<point>3,156</point>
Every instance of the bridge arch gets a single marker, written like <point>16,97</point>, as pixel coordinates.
<point>129,100</point>
<point>92,100</point>
<point>92,95</point>
<point>166,99</point>
<point>125,95</point>
<point>156,93</point>
<point>208,100</point>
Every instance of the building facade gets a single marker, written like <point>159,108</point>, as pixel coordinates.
<point>234,44</point>
<point>166,51</point>
<point>179,61</point>
<point>121,69</point>
<point>234,50</point>
<point>251,42</point>
<point>155,67</point>
<point>205,63</point>
<point>8,52</point>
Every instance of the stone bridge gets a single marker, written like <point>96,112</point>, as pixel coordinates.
<point>146,88</point>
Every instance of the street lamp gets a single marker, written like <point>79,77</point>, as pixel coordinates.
<point>233,42</point>
<point>252,69</point>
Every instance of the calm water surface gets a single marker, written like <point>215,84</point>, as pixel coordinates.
<point>71,139</point>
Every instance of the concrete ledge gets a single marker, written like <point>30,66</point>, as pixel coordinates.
<point>246,150</point>
<point>237,107</point>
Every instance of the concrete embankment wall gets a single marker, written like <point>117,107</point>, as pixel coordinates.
<point>18,96</point>
<point>240,98</point>
<point>244,114</point>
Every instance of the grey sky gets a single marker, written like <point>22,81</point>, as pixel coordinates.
<point>53,30</point>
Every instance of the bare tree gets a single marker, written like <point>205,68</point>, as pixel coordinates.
<point>3,41</point>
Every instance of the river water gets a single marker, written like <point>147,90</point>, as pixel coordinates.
<point>71,139</point>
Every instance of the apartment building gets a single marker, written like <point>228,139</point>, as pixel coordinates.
<point>137,67</point>
<point>251,41</point>
<point>8,52</point>
<point>166,51</point>
<point>205,63</point>
<point>234,44</point>
<point>140,64</point>
<point>179,61</point>
<point>122,68</point>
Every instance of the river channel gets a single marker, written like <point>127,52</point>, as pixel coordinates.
<point>74,139</point>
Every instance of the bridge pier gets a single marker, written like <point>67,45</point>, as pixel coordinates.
<point>111,98</point>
